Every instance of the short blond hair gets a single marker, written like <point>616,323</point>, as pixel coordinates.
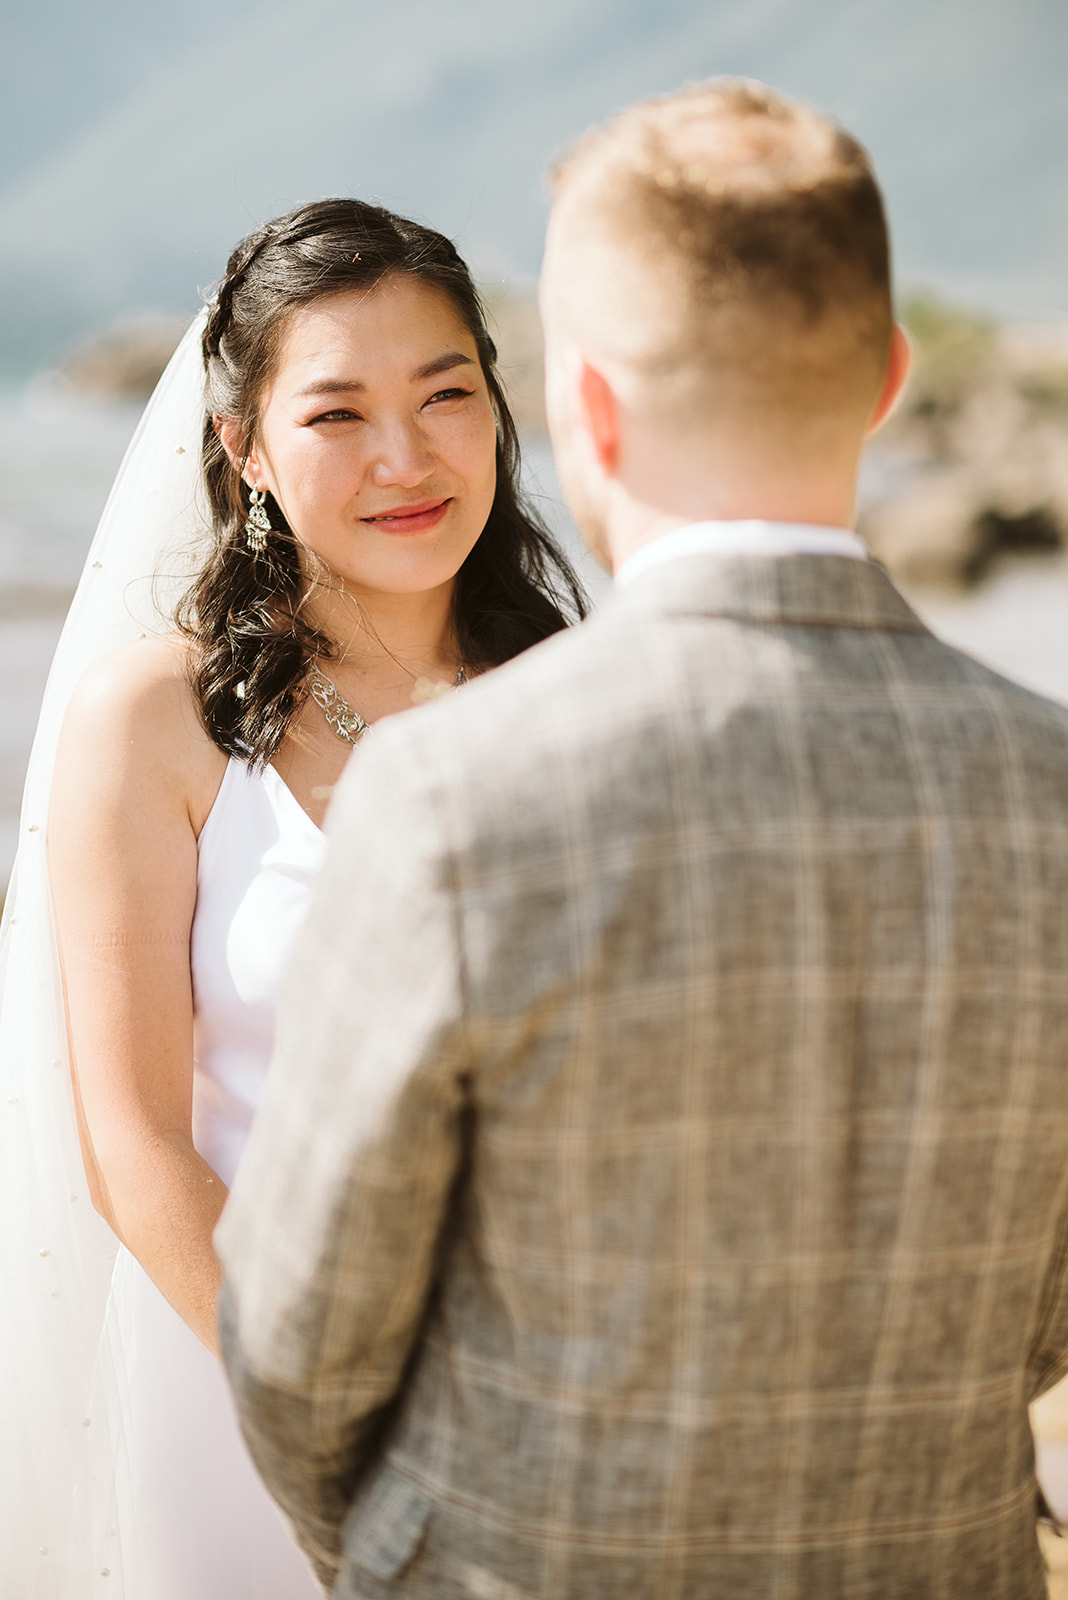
<point>726,231</point>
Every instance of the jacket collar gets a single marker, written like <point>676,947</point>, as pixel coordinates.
<point>817,590</point>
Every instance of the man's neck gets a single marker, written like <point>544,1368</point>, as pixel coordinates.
<point>663,480</point>
<point>630,524</point>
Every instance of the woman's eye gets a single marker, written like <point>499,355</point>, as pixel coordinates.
<point>449,394</point>
<point>339,415</point>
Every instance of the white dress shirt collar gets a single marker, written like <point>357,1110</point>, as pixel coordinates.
<point>756,538</point>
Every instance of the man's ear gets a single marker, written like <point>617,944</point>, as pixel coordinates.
<point>898,363</point>
<point>600,412</point>
<point>230,438</point>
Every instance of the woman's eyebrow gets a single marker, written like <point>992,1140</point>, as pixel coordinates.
<point>445,363</point>
<point>431,369</point>
<point>331,386</point>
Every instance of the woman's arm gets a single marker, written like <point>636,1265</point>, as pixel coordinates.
<point>135,778</point>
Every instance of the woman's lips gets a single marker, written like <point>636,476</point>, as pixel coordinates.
<point>410,519</point>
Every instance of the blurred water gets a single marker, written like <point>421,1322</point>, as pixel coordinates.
<point>1017,621</point>
<point>57,461</point>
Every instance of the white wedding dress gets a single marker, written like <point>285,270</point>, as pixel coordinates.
<point>122,1472</point>
<point>192,1521</point>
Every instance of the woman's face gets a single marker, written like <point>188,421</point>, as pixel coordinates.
<point>377,437</point>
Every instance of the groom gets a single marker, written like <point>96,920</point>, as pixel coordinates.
<point>662,1189</point>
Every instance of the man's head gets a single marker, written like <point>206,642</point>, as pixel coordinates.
<point>717,268</point>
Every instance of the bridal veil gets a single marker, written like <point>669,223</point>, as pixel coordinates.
<point>61,1397</point>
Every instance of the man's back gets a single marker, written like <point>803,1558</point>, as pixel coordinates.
<point>757,1255</point>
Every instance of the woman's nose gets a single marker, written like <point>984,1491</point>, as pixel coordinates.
<point>402,456</point>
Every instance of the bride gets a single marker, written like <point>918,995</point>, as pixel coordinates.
<point>367,549</point>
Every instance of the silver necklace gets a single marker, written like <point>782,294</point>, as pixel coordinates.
<point>344,719</point>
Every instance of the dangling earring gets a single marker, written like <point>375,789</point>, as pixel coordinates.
<point>257,523</point>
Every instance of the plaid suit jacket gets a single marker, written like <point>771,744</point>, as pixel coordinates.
<point>662,1185</point>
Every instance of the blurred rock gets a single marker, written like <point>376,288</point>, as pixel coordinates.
<point>974,463</point>
<point>515,326</point>
<point>125,360</point>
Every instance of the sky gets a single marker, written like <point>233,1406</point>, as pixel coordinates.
<point>138,143</point>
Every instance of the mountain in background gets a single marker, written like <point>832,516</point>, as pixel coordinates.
<point>137,150</point>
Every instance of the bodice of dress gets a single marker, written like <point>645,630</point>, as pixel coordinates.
<point>258,853</point>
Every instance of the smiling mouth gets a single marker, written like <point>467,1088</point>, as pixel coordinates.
<point>410,519</point>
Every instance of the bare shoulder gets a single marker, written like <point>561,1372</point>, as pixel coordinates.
<point>135,713</point>
<point>136,678</point>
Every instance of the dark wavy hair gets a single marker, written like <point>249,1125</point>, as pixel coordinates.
<point>251,643</point>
